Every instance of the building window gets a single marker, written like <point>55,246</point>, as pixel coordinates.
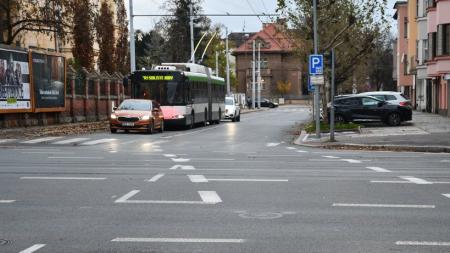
<point>446,39</point>
<point>405,65</point>
<point>432,47</point>
<point>431,3</point>
<point>405,27</point>
<point>425,50</point>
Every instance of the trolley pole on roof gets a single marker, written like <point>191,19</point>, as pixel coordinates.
<point>191,23</point>
<point>217,63</point>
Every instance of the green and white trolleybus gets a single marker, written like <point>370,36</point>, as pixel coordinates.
<point>188,93</point>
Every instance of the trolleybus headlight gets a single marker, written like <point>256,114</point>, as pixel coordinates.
<point>146,117</point>
<point>113,116</point>
<point>180,116</point>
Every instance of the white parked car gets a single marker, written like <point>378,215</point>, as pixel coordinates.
<point>232,109</point>
<point>392,97</point>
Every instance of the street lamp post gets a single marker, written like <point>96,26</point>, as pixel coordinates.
<point>316,90</point>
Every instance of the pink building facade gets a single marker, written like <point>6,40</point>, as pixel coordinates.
<point>438,64</point>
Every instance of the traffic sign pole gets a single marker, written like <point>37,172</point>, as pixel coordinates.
<point>316,91</point>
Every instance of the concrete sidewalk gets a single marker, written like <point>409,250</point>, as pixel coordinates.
<point>425,133</point>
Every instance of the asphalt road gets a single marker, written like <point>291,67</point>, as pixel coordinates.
<point>233,187</point>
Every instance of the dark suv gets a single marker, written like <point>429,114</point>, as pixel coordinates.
<point>360,107</point>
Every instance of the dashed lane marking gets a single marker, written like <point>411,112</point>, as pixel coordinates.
<point>351,161</point>
<point>208,197</point>
<point>156,177</point>
<point>65,178</point>
<point>421,243</point>
<point>272,144</point>
<point>416,180</point>
<point>7,201</point>
<point>203,179</point>
<point>6,140</point>
<point>291,148</point>
<point>180,160</point>
<point>33,248</point>
<point>70,141</point>
<point>178,240</point>
<point>381,205</point>
<point>183,167</point>
<point>301,151</point>
<point>95,142</point>
<point>378,169</point>
<point>40,140</point>
<point>330,156</point>
<point>446,195</point>
<point>170,155</point>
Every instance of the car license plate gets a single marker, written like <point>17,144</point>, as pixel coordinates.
<point>128,124</point>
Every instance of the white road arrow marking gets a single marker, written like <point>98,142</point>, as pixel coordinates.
<point>156,177</point>
<point>180,160</point>
<point>351,160</point>
<point>183,167</point>
<point>378,169</point>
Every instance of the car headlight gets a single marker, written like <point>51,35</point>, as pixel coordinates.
<point>113,116</point>
<point>146,117</point>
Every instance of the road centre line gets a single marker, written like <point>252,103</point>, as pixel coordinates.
<point>378,169</point>
<point>70,141</point>
<point>7,201</point>
<point>415,180</point>
<point>33,248</point>
<point>179,240</point>
<point>65,178</point>
<point>381,205</point>
<point>421,243</point>
<point>39,140</point>
<point>156,177</point>
<point>203,179</point>
<point>76,157</point>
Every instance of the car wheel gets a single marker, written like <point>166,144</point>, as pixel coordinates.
<point>271,106</point>
<point>113,130</point>
<point>393,119</point>
<point>161,128</point>
<point>151,127</point>
<point>238,117</point>
<point>339,118</point>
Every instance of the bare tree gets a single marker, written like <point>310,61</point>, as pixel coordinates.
<point>105,28</point>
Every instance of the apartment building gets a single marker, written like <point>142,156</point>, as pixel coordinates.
<point>423,53</point>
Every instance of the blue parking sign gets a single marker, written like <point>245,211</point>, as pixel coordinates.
<point>311,87</point>
<point>316,64</point>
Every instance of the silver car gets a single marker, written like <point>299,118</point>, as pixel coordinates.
<point>391,97</point>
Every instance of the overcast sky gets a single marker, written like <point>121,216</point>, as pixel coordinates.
<point>234,24</point>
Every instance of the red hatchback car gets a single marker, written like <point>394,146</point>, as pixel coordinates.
<point>137,114</point>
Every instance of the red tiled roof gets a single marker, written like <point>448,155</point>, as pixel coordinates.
<point>272,39</point>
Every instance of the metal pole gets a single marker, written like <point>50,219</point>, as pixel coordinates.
<point>259,75</point>
<point>253,77</point>
<point>332,97</point>
<point>191,23</point>
<point>316,90</point>
<point>217,63</point>
<point>132,46</point>
<point>227,54</point>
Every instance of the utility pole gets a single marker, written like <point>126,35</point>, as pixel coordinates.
<point>217,63</point>
<point>317,88</point>
<point>132,46</point>
<point>191,23</point>
<point>253,76</point>
<point>332,97</point>
<point>228,62</point>
<point>259,75</point>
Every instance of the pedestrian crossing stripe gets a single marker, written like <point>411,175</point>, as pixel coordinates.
<point>70,141</point>
<point>100,141</point>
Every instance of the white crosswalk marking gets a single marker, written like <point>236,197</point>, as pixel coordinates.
<point>95,142</point>
<point>39,140</point>
<point>70,141</point>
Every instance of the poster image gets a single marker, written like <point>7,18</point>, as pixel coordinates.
<point>14,81</point>
<point>49,81</point>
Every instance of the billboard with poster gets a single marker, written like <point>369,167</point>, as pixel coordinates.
<point>49,78</point>
<point>15,92</point>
